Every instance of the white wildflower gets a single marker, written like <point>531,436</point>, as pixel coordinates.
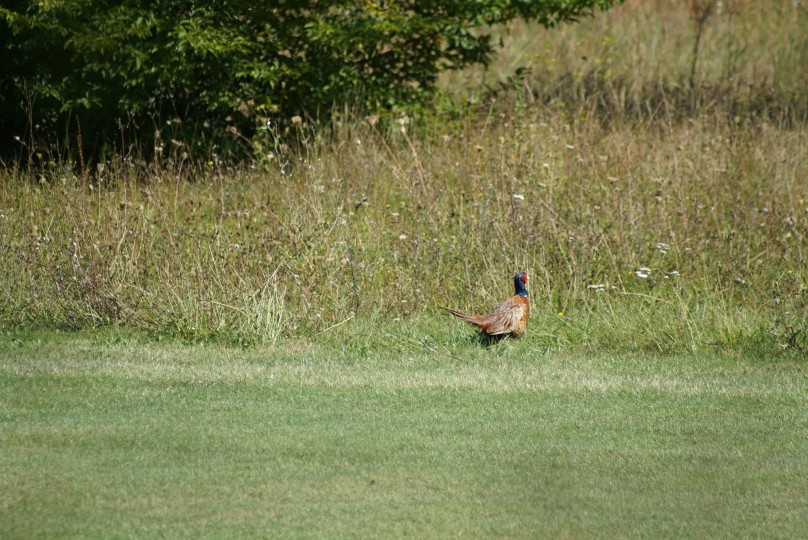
<point>518,197</point>
<point>642,272</point>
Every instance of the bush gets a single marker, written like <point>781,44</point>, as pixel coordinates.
<point>85,76</point>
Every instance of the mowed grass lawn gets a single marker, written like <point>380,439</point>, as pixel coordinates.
<point>108,436</point>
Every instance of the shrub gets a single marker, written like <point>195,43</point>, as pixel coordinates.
<point>175,75</point>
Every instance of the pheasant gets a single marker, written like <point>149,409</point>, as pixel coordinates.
<point>508,319</point>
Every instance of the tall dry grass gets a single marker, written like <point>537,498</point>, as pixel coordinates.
<point>646,220</point>
<point>645,59</point>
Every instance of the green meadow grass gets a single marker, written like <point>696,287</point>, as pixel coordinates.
<point>110,435</point>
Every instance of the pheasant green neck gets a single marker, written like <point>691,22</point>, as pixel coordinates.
<point>519,285</point>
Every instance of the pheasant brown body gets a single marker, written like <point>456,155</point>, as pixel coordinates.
<point>509,318</point>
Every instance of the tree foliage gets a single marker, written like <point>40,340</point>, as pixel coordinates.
<point>205,72</point>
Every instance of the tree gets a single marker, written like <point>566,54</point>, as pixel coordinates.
<point>203,72</point>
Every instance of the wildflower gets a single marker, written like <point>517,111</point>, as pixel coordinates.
<point>545,165</point>
<point>662,247</point>
<point>642,272</point>
<point>16,137</point>
<point>596,287</point>
<point>672,273</point>
<point>560,313</point>
<point>296,120</point>
<point>570,147</point>
<point>518,197</point>
<point>402,237</point>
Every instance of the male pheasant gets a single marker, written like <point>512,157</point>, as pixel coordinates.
<point>508,319</point>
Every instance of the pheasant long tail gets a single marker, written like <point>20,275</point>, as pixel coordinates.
<point>473,319</point>
<point>510,317</point>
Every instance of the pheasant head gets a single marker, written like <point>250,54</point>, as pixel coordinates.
<point>519,283</point>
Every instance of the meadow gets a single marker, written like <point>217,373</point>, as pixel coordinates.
<point>671,219</point>
<point>192,347</point>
